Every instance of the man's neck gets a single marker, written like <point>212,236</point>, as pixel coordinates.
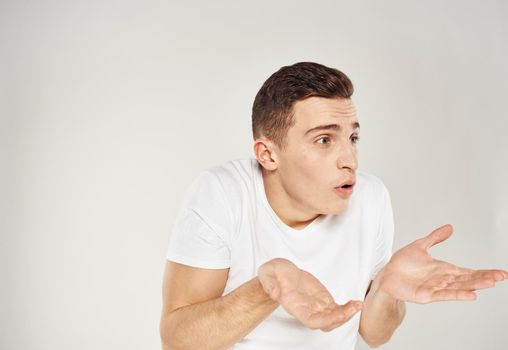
<point>282,205</point>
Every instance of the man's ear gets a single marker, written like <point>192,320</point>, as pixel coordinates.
<point>266,153</point>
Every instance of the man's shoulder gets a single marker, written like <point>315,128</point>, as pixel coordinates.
<point>232,166</point>
<point>233,172</point>
<point>224,186</point>
<point>217,191</point>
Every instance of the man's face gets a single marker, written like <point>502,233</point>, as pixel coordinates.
<point>320,155</point>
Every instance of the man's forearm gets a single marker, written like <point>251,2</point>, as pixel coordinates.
<point>218,323</point>
<point>381,315</point>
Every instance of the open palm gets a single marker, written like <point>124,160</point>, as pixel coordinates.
<point>415,276</point>
<point>304,296</point>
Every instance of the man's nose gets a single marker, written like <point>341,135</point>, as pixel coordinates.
<point>347,157</point>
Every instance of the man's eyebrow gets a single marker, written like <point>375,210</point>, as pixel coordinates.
<point>355,125</point>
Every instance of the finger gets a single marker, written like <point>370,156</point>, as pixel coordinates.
<point>468,279</point>
<point>448,294</point>
<point>472,284</point>
<point>351,308</point>
<point>348,311</point>
<point>333,317</point>
<point>326,319</point>
<point>500,275</point>
<point>437,236</point>
<point>496,275</point>
<point>271,286</point>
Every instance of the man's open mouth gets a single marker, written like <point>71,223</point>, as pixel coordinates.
<point>346,188</point>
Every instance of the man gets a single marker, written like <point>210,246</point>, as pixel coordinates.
<point>292,249</point>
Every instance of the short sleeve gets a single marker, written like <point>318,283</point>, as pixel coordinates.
<point>385,235</point>
<point>200,235</point>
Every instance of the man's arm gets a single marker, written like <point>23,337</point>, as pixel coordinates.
<point>413,275</point>
<point>195,316</point>
<point>381,315</point>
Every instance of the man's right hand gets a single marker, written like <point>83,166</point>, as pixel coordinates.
<point>303,296</point>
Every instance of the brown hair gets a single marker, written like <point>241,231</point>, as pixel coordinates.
<point>272,111</point>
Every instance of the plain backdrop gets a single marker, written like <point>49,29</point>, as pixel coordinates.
<point>110,108</point>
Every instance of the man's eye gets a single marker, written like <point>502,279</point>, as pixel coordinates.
<point>355,139</point>
<point>326,138</point>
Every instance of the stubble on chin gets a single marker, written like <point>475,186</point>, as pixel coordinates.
<point>340,208</point>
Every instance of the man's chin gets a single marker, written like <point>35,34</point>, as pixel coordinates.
<point>337,209</point>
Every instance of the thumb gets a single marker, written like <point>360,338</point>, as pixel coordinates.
<point>437,236</point>
<point>271,287</point>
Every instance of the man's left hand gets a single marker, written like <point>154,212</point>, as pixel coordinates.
<point>413,275</point>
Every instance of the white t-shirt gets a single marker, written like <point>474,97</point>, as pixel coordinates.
<point>227,222</point>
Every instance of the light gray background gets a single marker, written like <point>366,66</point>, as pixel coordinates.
<point>110,108</point>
